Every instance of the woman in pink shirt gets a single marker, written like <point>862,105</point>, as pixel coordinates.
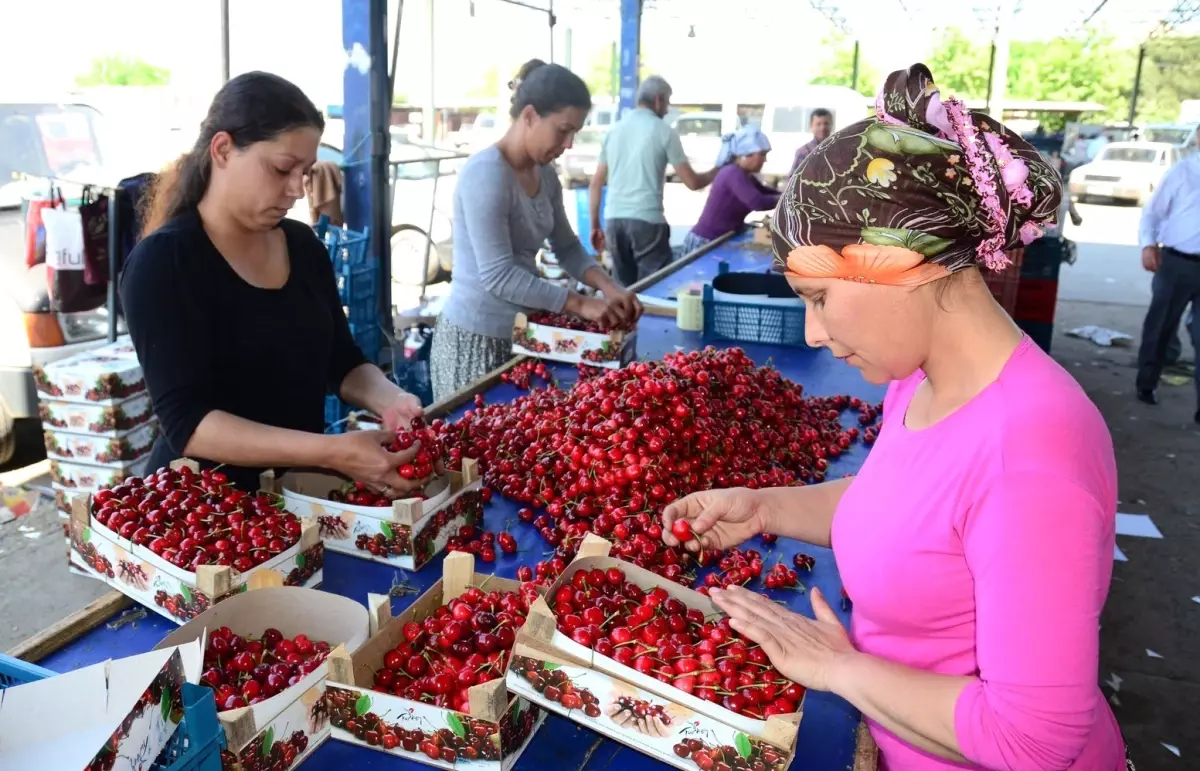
<point>977,540</point>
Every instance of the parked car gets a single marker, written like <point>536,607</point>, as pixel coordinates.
<point>787,124</point>
<point>1181,135</point>
<point>577,165</point>
<point>1126,171</point>
<point>415,168</point>
<point>700,134</point>
<point>40,140</point>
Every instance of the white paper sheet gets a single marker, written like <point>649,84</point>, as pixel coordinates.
<point>1139,525</point>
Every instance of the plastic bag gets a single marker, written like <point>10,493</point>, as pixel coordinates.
<point>35,232</point>
<point>94,216</point>
<point>65,263</point>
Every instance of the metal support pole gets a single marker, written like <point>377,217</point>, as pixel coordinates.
<point>224,41</point>
<point>428,108</point>
<point>991,71</point>
<point>1137,85</point>
<point>854,71</point>
<point>114,259</point>
<point>568,52</point>
<point>550,18</point>
<point>396,48</point>
<point>631,43</point>
<point>381,149</point>
<point>999,69</point>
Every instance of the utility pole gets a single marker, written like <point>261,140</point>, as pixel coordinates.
<point>1000,48</point>
<point>1137,85</point>
<point>854,72</point>
<point>224,41</point>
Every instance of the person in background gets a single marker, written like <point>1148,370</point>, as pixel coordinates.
<point>820,124</point>
<point>736,191</point>
<point>507,203</point>
<point>633,163</point>
<point>1097,144</point>
<point>988,449</point>
<point>234,311</point>
<point>523,73</point>
<point>1170,241</point>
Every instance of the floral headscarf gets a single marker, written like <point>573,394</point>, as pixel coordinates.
<point>924,189</point>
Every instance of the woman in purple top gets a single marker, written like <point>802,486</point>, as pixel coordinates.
<point>736,191</point>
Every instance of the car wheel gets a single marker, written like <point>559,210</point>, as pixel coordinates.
<point>409,245</point>
<point>8,434</point>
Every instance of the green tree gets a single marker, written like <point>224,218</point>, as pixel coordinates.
<point>1170,74</point>
<point>489,85</point>
<point>837,68</point>
<point>1090,68</point>
<point>602,76</point>
<point>123,71</point>
<point>960,65</point>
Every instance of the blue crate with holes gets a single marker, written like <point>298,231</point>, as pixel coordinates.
<point>336,412</point>
<point>196,744</point>
<point>368,336</point>
<point>346,247</point>
<point>358,290</point>
<point>767,323</point>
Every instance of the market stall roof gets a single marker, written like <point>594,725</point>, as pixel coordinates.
<point>1130,20</point>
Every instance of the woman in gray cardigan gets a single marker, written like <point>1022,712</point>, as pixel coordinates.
<point>507,203</point>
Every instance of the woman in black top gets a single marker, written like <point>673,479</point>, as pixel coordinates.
<point>234,310</point>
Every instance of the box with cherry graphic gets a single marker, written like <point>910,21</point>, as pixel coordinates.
<point>489,729</point>
<point>105,376</point>
<point>246,640</point>
<point>96,419</point>
<point>117,715</point>
<point>407,534</point>
<point>640,710</point>
<point>84,477</point>
<point>150,568</point>
<point>548,336</point>
<point>115,452</point>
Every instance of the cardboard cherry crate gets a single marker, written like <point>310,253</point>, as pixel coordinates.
<point>96,419</point>
<point>85,477</point>
<point>293,723</point>
<point>107,376</point>
<point>117,715</point>
<point>408,534</point>
<point>611,350</point>
<point>595,691</point>
<point>172,592</point>
<point>491,736</point>
<point>112,451</point>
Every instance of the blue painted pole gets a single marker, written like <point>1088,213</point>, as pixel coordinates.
<point>366,110</point>
<point>631,44</point>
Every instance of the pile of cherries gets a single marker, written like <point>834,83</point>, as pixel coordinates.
<point>521,376</point>
<point>567,321</point>
<point>606,455</point>
<point>431,451</point>
<point>258,756</point>
<point>660,637</point>
<point>247,670</point>
<point>463,643</point>
<point>556,686</point>
<point>482,543</point>
<point>194,518</point>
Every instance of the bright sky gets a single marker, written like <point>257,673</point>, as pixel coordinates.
<point>773,43</point>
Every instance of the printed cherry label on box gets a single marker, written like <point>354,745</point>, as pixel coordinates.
<point>611,350</point>
<point>96,419</point>
<point>86,477</point>
<point>407,534</point>
<point>106,375</point>
<point>110,451</point>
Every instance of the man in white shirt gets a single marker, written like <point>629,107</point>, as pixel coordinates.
<point>1170,240</point>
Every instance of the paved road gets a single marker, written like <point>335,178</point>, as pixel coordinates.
<point>1108,268</point>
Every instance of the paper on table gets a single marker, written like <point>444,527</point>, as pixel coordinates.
<point>1137,525</point>
<point>1119,555</point>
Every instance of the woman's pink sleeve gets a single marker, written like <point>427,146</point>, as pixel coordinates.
<point>1040,550</point>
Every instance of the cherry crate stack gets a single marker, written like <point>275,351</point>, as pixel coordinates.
<point>98,422</point>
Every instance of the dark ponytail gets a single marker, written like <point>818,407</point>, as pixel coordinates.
<point>253,107</point>
<point>549,88</point>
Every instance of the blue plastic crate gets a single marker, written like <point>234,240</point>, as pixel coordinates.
<point>17,672</point>
<point>346,247</point>
<point>752,322</point>
<point>369,338</point>
<point>414,376</point>
<point>358,284</point>
<point>196,744</point>
<point>336,412</point>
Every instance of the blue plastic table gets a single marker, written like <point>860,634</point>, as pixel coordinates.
<point>827,731</point>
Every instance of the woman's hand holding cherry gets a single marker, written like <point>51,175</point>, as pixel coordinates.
<point>713,519</point>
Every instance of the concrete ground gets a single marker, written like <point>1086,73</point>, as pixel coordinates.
<point>1154,603</point>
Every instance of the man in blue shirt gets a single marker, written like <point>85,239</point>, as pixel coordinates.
<point>633,163</point>
<point>1170,240</point>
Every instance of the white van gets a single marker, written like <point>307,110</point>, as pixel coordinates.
<point>786,124</point>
